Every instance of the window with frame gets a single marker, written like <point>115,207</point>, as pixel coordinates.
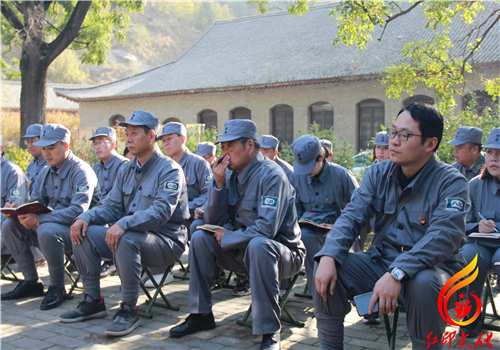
<point>282,123</point>
<point>116,119</point>
<point>241,113</point>
<point>371,114</point>
<point>321,113</point>
<point>208,117</point>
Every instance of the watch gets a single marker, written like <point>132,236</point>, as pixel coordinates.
<point>398,274</point>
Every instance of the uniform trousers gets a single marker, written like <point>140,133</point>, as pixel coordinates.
<point>135,249</point>
<point>53,240</point>
<point>486,258</point>
<point>357,275</point>
<point>267,261</point>
<point>313,239</point>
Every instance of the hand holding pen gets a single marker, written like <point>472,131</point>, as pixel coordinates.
<point>490,224</point>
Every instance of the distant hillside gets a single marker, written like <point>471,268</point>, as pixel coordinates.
<point>157,36</point>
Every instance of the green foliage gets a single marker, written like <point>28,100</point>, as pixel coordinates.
<point>194,137</point>
<point>10,71</point>
<point>65,69</point>
<point>342,151</point>
<point>82,148</point>
<point>21,157</point>
<point>493,88</point>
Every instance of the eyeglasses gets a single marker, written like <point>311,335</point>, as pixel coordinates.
<point>100,142</point>
<point>402,135</point>
<point>30,142</point>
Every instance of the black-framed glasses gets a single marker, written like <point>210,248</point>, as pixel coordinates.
<point>100,142</point>
<point>403,136</point>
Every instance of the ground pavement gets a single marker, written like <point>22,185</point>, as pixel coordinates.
<point>25,326</point>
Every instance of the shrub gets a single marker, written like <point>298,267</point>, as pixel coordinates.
<point>21,157</point>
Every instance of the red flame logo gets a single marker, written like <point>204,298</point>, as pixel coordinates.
<point>463,307</point>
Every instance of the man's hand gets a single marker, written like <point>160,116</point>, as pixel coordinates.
<point>113,236</point>
<point>386,292</point>
<point>10,205</point>
<point>28,220</point>
<point>198,213</point>
<point>326,275</point>
<point>220,171</point>
<point>219,234</point>
<point>78,231</point>
<point>487,226</point>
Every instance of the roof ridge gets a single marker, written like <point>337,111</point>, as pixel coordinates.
<point>271,14</point>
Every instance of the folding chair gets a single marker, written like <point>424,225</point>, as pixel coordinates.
<point>152,299</point>
<point>282,303</point>
<point>185,270</point>
<point>74,280</point>
<point>5,266</point>
<point>488,298</point>
<point>391,332</point>
<point>305,293</point>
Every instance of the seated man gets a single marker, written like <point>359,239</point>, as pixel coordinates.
<point>265,240</point>
<point>70,187</point>
<point>38,163</point>
<point>207,151</point>
<point>149,204</point>
<point>323,189</point>
<point>467,149</point>
<point>420,205</point>
<point>269,148</point>
<point>104,143</point>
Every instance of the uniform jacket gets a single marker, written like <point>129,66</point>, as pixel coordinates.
<point>473,171</point>
<point>198,178</point>
<point>485,198</point>
<point>70,190</point>
<point>106,172</point>
<point>151,197</point>
<point>287,168</point>
<point>432,222</point>
<point>14,184</point>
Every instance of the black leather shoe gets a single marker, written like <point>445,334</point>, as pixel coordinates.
<point>24,290</point>
<point>54,297</point>
<point>192,324</point>
<point>271,342</point>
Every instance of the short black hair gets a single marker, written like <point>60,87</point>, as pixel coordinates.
<point>430,120</point>
<point>473,144</point>
<point>244,141</point>
<point>145,128</point>
<point>125,151</point>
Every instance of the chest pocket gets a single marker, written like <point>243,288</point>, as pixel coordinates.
<point>248,212</point>
<point>306,201</point>
<point>419,223</point>
<point>65,198</point>
<point>148,196</point>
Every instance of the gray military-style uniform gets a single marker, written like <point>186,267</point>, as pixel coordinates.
<point>287,168</point>
<point>70,190</point>
<point>14,185</point>
<point>106,172</point>
<point>473,171</point>
<point>149,203</point>
<point>35,167</point>
<point>419,230</point>
<point>321,199</point>
<point>265,240</point>
<point>198,178</point>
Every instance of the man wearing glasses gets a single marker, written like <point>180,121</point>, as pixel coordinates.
<point>104,142</point>
<point>38,163</point>
<point>420,205</point>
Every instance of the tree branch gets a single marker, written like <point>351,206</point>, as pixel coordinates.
<point>86,43</point>
<point>19,6</point>
<point>46,5</point>
<point>478,43</point>
<point>70,32</point>
<point>402,13</point>
<point>12,18</point>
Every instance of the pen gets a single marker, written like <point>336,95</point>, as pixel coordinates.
<point>483,218</point>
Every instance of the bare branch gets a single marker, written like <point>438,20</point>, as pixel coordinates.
<point>46,5</point>
<point>478,43</point>
<point>402,13</point>
<point>12,18</point>
<point>70,32</point>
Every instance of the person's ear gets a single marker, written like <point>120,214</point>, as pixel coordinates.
<point>431,144</point>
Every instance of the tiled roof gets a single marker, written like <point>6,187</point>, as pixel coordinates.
<point>277,48</point>
<point>11,96</point>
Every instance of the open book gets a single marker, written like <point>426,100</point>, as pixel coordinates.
<point>492,235</point>
<point>210,228</point>
<point>310,222</point>
<point>28,208</point>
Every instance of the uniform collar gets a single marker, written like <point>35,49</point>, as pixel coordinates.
<point>421,176</point>
<point>110,162</point>
<point>245,174</point>
<point>495,185</point>
<point>478,165</point>
<point>147,164</point>
<point>184,158</point>
<point>64,169</point>
<point>324,174</point>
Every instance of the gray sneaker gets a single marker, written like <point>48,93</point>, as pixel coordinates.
<point>85,311</point>
<point>125,321</point>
